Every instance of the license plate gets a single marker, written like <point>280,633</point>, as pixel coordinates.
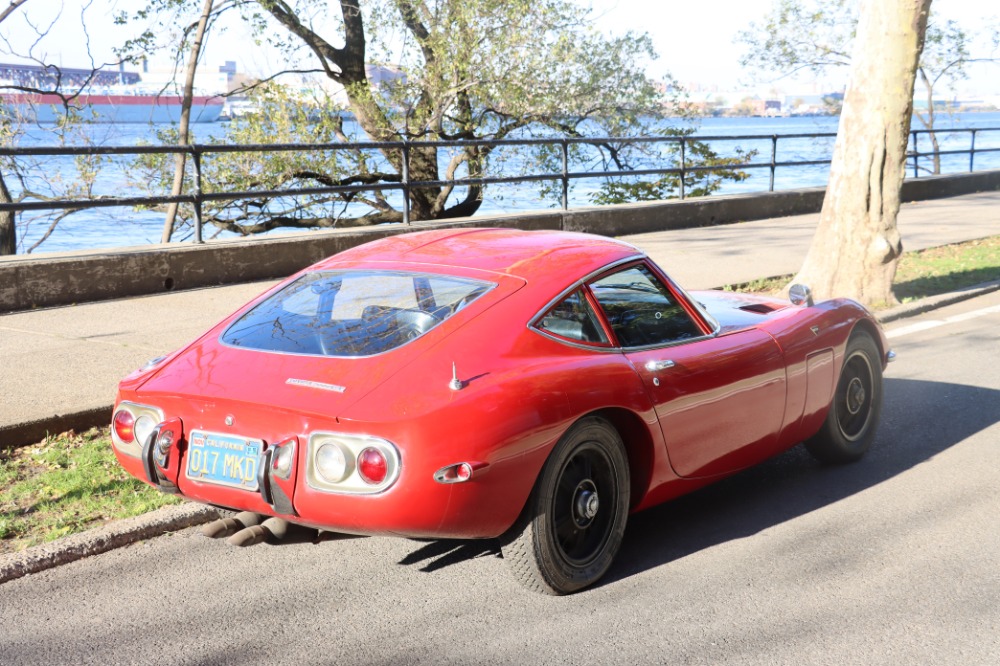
<point>224,460</point>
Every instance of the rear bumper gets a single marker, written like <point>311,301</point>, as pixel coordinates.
<point>415,506</point>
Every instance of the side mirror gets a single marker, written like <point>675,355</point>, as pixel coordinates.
<point>800,294</point>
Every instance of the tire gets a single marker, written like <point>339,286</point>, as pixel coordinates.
<point>854,413</point>
<point>573,524</point>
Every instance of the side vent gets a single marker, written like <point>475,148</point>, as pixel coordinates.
<point>759,308</point>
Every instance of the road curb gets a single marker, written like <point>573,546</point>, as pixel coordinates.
<point>102,539</point>
<point>20,434</point>
<point>935,302</point>
<point>172,518</point>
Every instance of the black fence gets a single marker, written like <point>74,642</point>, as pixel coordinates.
<point>564,177</point>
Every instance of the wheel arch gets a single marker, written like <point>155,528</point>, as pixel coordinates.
<point>639,447</point>
<point>869,327</point>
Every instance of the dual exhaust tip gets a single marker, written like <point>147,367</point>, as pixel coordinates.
<point>249,529</point>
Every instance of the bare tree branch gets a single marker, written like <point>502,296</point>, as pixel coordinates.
<point>11,8</point>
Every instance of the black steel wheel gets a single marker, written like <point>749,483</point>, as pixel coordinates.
<point>850,426</point>
<point>573,524</point>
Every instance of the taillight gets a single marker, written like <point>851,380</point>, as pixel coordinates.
<point>372,466</point>
<point>124,424</point>
<point>131,426</point>
<point>350,464</point>
<point>331,463</point>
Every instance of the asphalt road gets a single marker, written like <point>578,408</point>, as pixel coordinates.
<point>893,560</point>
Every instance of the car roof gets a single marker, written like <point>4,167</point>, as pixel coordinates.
<point>530,255</point>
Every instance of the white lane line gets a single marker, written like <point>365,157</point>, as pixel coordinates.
<point>934,323</point>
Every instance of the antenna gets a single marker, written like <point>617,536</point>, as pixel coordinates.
<point>455,384</point>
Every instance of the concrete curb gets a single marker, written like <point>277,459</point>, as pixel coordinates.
<point>18,434</point>
<point>939,301</point>
<point>102,539</point>
<point>172,518</point>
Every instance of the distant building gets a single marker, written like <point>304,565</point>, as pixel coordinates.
<point>51,77</point>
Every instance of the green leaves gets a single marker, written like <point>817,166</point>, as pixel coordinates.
<point>436,70</point>
<point>801,34</point>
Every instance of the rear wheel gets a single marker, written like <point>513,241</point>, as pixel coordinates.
<point>850,426</point>
<point>573,524</point>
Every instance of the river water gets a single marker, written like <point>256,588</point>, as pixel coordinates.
<point>114,227</point>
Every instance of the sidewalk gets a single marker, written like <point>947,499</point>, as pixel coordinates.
<point>59,367</point>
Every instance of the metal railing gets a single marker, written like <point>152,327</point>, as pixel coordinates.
<point>199,197</point>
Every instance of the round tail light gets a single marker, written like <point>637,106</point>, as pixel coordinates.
<point>124,424</point>
<point>372,466</point>
<point>331,463</point>
<point>143,428</point>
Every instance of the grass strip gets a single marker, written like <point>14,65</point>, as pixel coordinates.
<point>66,484</point>
<point>923,273</point>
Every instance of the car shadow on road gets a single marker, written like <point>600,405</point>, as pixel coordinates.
<point>443,553</point>
<point>920,419</point>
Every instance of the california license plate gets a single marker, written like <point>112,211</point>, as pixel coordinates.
<point>223,459</point>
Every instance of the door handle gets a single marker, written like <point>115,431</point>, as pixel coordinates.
<point>656,366</point>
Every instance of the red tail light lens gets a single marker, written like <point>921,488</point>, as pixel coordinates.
<point>372,466</point>
<point>123,424</point>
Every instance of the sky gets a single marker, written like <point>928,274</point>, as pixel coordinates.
<point>695,40</point>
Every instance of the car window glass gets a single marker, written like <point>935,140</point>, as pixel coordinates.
<point>301,302</point>
<point>573,318</point>
<point>387,291</point>
<point>641,310</point>
<point>352,313</point>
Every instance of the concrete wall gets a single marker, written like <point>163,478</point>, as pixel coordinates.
<point>30,281</point>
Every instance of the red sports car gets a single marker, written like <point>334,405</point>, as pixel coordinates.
<point>533,386</point>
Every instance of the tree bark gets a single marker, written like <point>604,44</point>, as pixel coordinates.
<point>182,131</point>
<point>857,244</point>
<point>349,70</point>
<point>11,8</point>
<point>8,232</point>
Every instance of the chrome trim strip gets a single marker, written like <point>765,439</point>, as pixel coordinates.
<point>336,388</point>
<point>696,304</point>
<point>708,318</point>
<point>578,345</point>
<point>579,283</point>
<point>532,323</point>
<point>675,343</point>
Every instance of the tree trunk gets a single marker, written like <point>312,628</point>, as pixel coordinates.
<point>182,132</point>
<point>8,232</point>
<point>857,245</point>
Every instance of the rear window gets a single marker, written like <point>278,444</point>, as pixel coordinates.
<point>352,313</point>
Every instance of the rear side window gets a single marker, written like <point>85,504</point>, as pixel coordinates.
<point>352,313</point>
<point>573,319</point>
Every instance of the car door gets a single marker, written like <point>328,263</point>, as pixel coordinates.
<point>719,398</point>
